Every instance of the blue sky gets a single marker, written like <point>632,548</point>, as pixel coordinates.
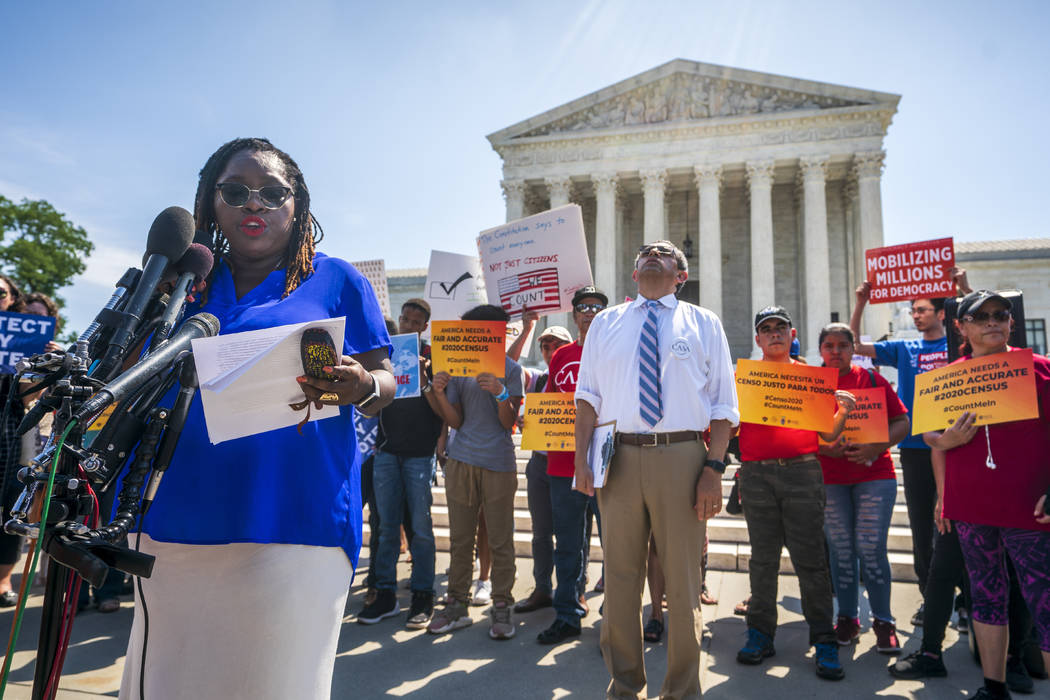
<point>108,110</point>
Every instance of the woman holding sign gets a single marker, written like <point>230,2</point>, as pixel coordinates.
<point>861,491</point>
<point>997,483</point>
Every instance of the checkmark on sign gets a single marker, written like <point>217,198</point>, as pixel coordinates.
<point>448,290</point>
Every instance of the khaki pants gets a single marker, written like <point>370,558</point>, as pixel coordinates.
<point>652,489</point>
<point>467,489</point>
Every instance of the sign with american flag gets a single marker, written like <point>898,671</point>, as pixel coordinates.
<point>536,290</point>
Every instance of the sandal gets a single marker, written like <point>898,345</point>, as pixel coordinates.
<point>741,607</point>
<point>706,598</point>
<point>654,631</point>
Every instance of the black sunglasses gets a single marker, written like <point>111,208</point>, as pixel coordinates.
<point>656,250</point>
<point>234,194</point>
<point>1001,316</point>
<point>583,308</point>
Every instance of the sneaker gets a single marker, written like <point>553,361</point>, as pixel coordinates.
<point>916,619</point>
<point>1017,678</point>
<point>828,665</point>
<point>385,605</point>
<point>502,625</point>
<point>962,623</point>
<point>758,647</point>
<point>918,665</point>
<point>558,632</point>
<point>847,630</point>
<point>421,611</point>
<point>482,593</point>
<point>452,617</point>
<point>370,596</point>
<point>886,641</point>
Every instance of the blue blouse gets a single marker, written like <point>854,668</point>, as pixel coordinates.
<point>278,486</point>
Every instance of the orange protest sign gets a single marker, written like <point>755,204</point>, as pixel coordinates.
<point>868,422</point>
<point>911,271</point>
<point>785,395</point>
<point>550,422</point>
<point>468,348</point>
<point>999,388</point>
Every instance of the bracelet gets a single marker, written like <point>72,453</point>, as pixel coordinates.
<point>504,395</point>
<point>716,465</point>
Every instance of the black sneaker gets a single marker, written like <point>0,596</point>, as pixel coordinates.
<point>962,623</point>
<point>421,611</point>
<point>558,632</point>
<point>758,647</point>
<point>1017,678</point>
<point>385,605</point>
<point>918,665</point>
<point>916,619</point>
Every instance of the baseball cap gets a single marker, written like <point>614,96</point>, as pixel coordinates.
<point>589,291</point>
<point>772,312</point>
<point>559,332</point>
<point>972,301</point>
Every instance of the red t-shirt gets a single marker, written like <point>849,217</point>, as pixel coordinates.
<point>1004,496</point>
<point>771,442</point>
<point>839,470</point>
<point>563,371</point>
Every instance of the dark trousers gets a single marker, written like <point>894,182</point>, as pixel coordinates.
<point>539,492</point>
<point>569,510</point>
<point>947,571</point>
<point>368,496</point>
<point>920,492</point>
<point>784,506</point>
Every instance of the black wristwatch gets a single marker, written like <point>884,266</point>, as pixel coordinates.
<point>371,397</point>
<point>719,467</point>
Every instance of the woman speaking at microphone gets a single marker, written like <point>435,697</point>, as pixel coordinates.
<point>256,538</point>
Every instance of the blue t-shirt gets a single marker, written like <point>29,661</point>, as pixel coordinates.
<point>278,486</point>
<point>911,357</point>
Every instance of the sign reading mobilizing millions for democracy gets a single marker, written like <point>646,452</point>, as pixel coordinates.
<point>911,271</point>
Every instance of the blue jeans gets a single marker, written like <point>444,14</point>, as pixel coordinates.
<point>857,523</point>
<point>397,481</point>
<point>569,512</point>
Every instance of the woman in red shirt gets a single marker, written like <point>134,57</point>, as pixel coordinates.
<point>995,492</point>
<point>861,491</point>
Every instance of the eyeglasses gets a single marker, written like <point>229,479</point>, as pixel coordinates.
<point>593,308</point>
<point>234,194</point>
<point>656,249</point>
<point>1001,316</point>
<point>916,310</point>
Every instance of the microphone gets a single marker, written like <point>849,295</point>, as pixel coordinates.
<point>193,266</point>
<point>202,325</point>
<point>169,237</point>
<point>126,282</point>
<point>176,421</point>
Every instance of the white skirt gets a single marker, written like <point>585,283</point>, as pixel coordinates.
<point>238,621</point>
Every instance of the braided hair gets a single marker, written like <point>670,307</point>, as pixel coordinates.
<point>306,230</point>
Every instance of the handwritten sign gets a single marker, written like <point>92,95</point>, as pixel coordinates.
<point>405,360</point>
<point>785,395</point>
<point>550,422</point>
<point>21,336</point>
<point>869,422</point>
<point>536,262</point>
<point>375,272</point>
<point>468,348</point>
<point>454,285</point>
<point>911,271</point>
<point>999,388</point>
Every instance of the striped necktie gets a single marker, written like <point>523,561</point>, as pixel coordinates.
<point>650,403</point>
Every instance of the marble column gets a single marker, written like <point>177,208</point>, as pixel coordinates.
<point>763,287</point>
<point>559,188</point>
<point>653,182</point>
<point>709,236</point>
<point>514,193</point>
<point>867,168</point>
<point>606,244</point>
<point>813,170</point>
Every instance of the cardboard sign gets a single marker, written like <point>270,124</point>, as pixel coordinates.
<point>869,422</point>
<point>21,336</point>
<point>536,262</point>
<point>999,388</point>
<point>550,422</point>
<point>911,271</point>
<point>454,285</point>
<point>375,272</point>
<point>468,348</point>
<point>405,360</point>
<point>786,395</point>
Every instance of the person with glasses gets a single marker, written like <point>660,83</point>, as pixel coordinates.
<point>661,369</point>
<point>10,451</point>
<point>997,496</point>
<point>256,539</point>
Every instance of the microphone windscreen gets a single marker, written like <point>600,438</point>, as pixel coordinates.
<point>171,233</point>
<point>197,259</point>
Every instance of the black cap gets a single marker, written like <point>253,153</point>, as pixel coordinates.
<point>772,312</point>
<point>589,291</point>
<point>972,301</point>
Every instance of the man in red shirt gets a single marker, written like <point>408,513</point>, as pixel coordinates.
<point>569,507</point>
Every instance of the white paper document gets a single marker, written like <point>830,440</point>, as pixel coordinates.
<point>600,451</point>
<point>247,380</point>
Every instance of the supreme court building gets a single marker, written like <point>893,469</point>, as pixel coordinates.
<point>770,184</point>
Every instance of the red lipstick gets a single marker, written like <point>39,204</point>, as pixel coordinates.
<point>252,226</point>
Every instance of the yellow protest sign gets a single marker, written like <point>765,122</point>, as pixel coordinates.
<point>869,422</point>
<point>999,388</point>
<point>468,348</point>
<point>550,422</point>
<point>786,395</point>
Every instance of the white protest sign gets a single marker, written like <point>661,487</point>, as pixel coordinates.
<point>454,285</point>
<point>375,272</point>
<point>536,262</point>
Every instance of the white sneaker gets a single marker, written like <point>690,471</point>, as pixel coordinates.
<point>482,593</point>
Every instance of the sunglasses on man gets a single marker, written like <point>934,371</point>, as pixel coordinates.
<point>656,249</point>
<point>234,194</point>
<point>593,308</point>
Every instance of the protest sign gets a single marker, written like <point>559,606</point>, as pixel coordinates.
<point>550,422</point>
<point>869,422</point>
<point>405,360</point>
<point>911,271</point>
<point>468,348</point>
<point>999,388</point>
<point>375,272</point>
<point>454,285</point>
<point>514,329</point>
<point>786,395</point>
<point>22,335</point>
<point>536,262</point>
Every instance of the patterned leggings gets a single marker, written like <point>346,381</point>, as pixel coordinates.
<point>984,548</point>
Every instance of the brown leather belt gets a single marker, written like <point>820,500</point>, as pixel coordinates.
<point>654,439</point>
<point>784,461</point>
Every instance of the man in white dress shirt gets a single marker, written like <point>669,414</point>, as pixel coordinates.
<point>661,369</point>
